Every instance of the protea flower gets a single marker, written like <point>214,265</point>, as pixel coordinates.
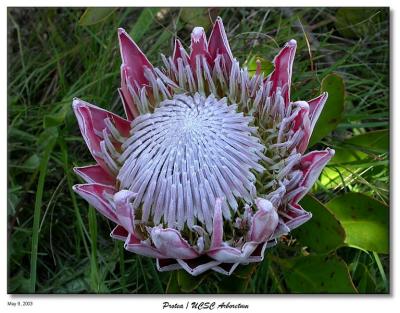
<point>207,169</point>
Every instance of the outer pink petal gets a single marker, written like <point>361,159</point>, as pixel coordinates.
<point>124,209</point>
<point>282,74</point>
<point>281,229</point>
<point>226,268</point>
<point>94,194</point>
<point>299,216</point>
<point>218,43</point>
<point>178,49</point>
<point>216,238</point>
<point>166,265</point>
<point>130,108</point>
<point>198,46</point>
<point>133,244</point>
<point>91,123</point>
<point>311,165</point>
<point>258,254</point>
<point>199,269</point>
<point>95,174</point>
<point>228,254</point>
<point>316,105</point>
<point>302,121</point>
<point>171,244</point>
<point>119,233</point>
<point>264,222</point>
<point>133,58</point>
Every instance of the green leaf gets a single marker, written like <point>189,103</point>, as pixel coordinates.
<point>333,109</point>
<point>143,23</point>
<point>374,141</point>
<point>32,163</point>
<point>323,233</point>
<point>364,219</point>
<point>355,152</point>
<point>316,274</point>
<point>93,16</point>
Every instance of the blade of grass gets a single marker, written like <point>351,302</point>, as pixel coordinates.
<point>37,211</point>
<point>381,270</point>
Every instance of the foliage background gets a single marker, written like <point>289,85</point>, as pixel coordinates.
<point>57,244</point>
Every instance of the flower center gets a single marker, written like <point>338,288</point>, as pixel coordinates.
<point>185,155</point>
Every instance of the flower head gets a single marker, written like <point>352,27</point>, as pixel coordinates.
<point>208,167</point>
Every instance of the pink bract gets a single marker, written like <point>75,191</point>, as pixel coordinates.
<point>178,175</point>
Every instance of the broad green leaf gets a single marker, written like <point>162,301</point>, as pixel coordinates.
<point>375,141</point>
<point>316,274</point>
<point>32,163</point>
<point>364,219</point>
<point>323,233</point>
<point>333,109</point>
<point>143,23</point>
<point>93,16</point>
<point>362,278</point>
<point>356,152</point>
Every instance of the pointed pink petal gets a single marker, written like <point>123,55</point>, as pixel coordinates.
<point>178,49</point>
<point>218,43</point>
<point>124,209</point>
<point>302,121</point>
<point>133,58</point>
<point>91,123</point>
<point>166,265</point>
<point>171,244</point>
<point>198,269</point>
<point>198,46</point>
<point>95,195</point>
<point>228,254</point>
<point>134,245</point>
<point>281,230</point>
<point>130,108</point>
<point>225,268</point>
<point>258,254</point>
<point>311,165</point>
<point>218,224</point>
<point>282,74</point>
<point>316,105</point>
<point>95,174</point>
<point>300,216</point>
<point>264,222</point>
<point>119,233</point>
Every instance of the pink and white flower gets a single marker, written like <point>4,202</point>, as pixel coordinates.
<point>207,169</point>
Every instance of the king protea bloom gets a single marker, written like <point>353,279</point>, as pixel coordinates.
<point>207,169</point>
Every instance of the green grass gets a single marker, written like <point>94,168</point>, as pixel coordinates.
<point>58,245</point>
